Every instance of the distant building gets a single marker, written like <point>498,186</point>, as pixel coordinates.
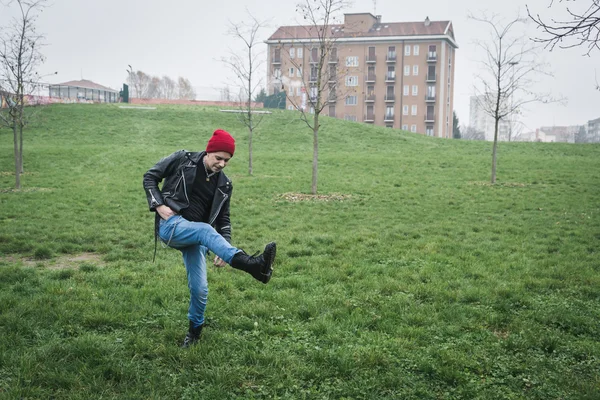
<point>394,74</point>
<point>564,134</point>
<point>525,137</point>
<point>593,130</point>
<point>84,91</point>
<point>483,122</point>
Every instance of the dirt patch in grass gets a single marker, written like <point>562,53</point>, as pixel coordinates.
<point>66,261</point>
<point>501,184</point>
<point>296,197</point>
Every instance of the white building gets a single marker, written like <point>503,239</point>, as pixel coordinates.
<point>483,122</point>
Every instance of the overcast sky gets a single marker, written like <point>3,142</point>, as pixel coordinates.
<point>98,39</point>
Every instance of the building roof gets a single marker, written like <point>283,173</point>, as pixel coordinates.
<point>84,83</point>
<point>377,30</point>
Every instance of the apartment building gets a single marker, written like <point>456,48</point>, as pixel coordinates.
<point>396,74</point>
<point>593,130</point>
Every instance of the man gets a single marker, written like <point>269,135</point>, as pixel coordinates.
<point>192,215</point>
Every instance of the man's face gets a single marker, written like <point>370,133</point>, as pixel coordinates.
<point>216,161</point>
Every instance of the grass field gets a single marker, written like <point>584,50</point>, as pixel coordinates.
<point>421,282</point>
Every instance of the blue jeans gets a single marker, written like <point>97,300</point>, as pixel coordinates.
<point>193,239</point>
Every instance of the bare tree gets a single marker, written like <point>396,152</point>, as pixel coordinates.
<point>471,133</point>
<point>244,66</point>
<point>580,28</point>
<point>319,79</point>
<point>168,87</point>
<point>186,91</point>
<point>144,86</point>
<point>20,56</point>
<point>510,64</point>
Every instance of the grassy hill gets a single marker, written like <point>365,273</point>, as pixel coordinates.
<point>421,281</point>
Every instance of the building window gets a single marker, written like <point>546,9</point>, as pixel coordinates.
<point>407,50</point>
<point>351,100</point>
<point>299,91</point>
<point>406,70</point>
<point>413,128</point>
<point>415,90</point>
<point>290,107</point>
<point>292,72</point>
<point>299,72</point>
<point>350,118</point>
<point>312,110</point>
<point>416,49</point>
<point>389,111</point>
<point>299,52</point>
<point>277,73</point>
<point>404,127</point>
<point>406,90</point>
<point>415,70</point>
<point>352,61</point>
<point>352,81</point>
<point>292,52</point>
<point>389,125</point>
<point>405,109</point>
<point>429,130</point>
<point>332,110</point>
<point>413,110</point>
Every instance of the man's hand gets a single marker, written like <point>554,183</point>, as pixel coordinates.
<point>218,262</point>
<point>165,212</point>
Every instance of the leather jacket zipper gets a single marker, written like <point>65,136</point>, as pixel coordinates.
<point>225,197</point>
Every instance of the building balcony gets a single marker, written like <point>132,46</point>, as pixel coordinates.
<point>370,118</point>
<point>390,77</point>
<point>332,98</point>
<point>432,57</point>
<point>370,78</point>
<point>333,59</point>
<point>430,99</point>
<point>370,98</point>
<point>390,98</point>
<point>388,118</point>
<point>276,60</point>
<point>312,78</point>
<point>391,57</point>
<point>430,118</point>
<point>430,78</point>
<point>332,78</point>
<point>371,59</point>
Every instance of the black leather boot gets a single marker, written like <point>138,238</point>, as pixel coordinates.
<point>192,336</point>
<point>260,267</point>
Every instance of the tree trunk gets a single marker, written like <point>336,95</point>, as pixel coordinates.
<point>17,157</point>
<point>315,162</point>
<point>21,147</point>
<point>494,150</point>
<point>249,150</point>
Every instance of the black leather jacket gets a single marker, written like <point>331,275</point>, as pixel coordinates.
<point>179,171</point>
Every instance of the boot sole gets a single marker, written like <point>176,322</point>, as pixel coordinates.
<point>269,256</point>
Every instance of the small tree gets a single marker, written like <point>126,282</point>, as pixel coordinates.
<point>471,133</point>
<point>244,66</point>
<point>261,96</point>
<point>509,65</point>
<point>320,79</point>
<point>20,56</point>
<point>455,126</point>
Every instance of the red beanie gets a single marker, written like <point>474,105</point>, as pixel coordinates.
<point>221,141</point>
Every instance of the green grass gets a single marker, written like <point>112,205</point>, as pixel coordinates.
<point>426,282</point>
